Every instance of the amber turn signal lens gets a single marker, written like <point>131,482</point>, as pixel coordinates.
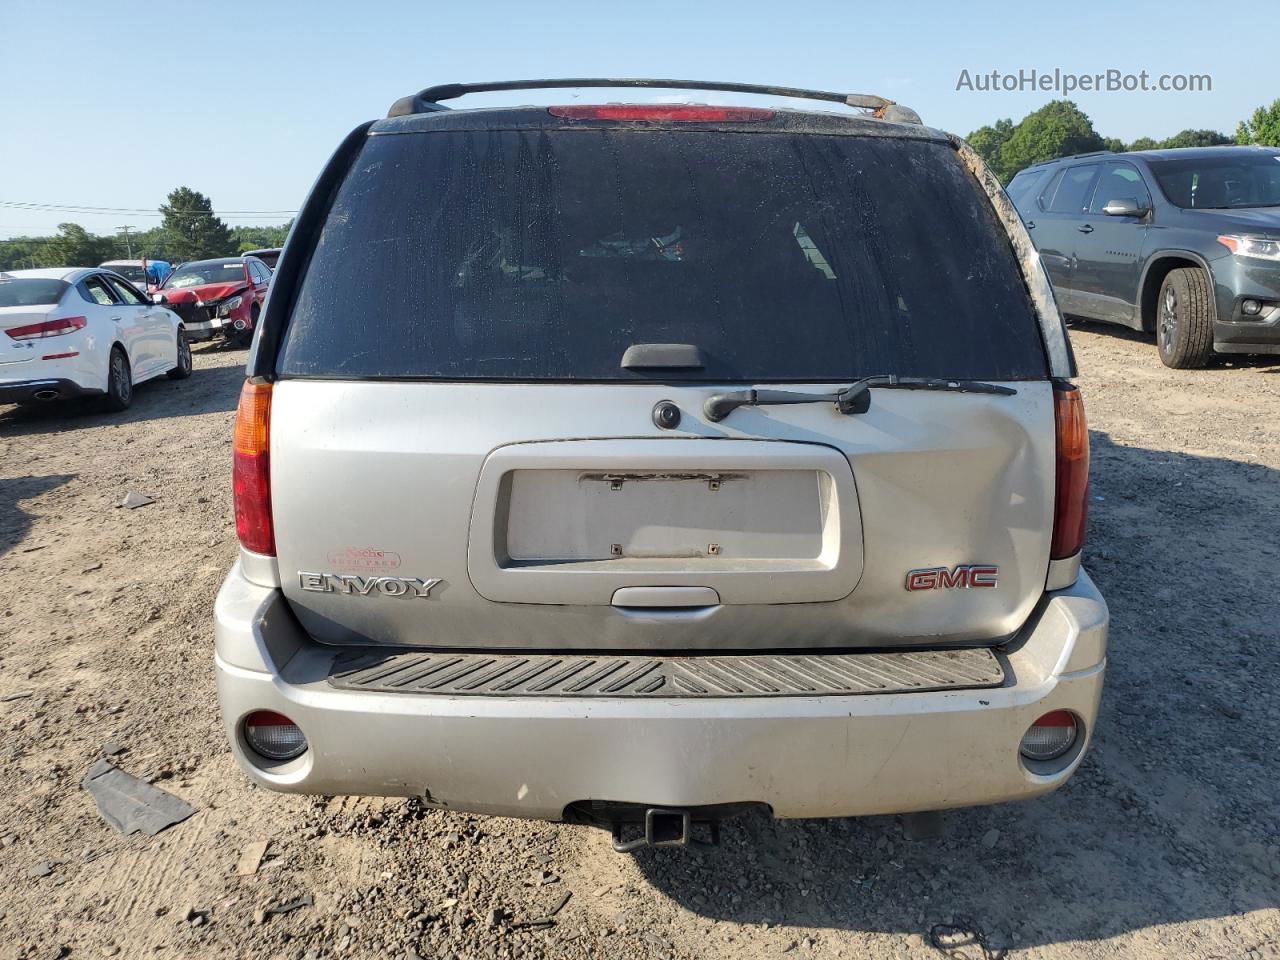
<point>1071,494</point>
<point>251,471</point>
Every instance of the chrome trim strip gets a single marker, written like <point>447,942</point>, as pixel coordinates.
<point>1063,573</point>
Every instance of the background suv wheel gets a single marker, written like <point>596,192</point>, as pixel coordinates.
<point>1184,319</point>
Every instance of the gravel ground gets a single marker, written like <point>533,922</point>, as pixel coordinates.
<point>1166,844</point>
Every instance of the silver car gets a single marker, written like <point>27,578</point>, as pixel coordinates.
<point>640,464</point>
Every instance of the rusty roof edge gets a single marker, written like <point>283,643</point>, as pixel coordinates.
<point>1052,327</point>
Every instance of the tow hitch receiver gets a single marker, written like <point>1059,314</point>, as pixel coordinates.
<point>667,828</point>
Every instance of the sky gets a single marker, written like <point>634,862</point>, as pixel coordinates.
<point>113,105</point>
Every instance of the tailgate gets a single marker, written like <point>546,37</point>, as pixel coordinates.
<point>786,527</point>
<point>463,446</point>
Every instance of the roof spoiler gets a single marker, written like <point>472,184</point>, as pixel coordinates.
<point>428,100</point>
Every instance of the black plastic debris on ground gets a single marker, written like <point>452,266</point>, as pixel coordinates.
<point>130,804</point>
<point>297,903</point>
<point>962,939</point>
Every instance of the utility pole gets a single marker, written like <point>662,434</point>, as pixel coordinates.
<point>127,242</point>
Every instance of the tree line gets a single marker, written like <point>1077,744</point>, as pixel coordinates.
<point>189,230</point>
<point>1061,129</point>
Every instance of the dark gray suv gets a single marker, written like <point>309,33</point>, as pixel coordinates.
<point>1182,243</point>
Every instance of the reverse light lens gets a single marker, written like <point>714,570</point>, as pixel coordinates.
<point>1049,737</point>
<point>1260,248</point>
<point>664,113</point>
<point>274,735</point>
<point>1071,494</point>
<point>251,471</point>
<point>225,308</point>
<point>48,328</point>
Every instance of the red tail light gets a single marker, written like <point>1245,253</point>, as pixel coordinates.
<point>251,473</point>
<point>665,113</point>
<point>48,328</point>
<point>1071,503</point>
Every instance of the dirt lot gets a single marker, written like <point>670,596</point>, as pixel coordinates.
<point>1167,843</point>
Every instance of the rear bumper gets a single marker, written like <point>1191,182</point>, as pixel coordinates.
<point>806,756</point>
<point>42,390</point>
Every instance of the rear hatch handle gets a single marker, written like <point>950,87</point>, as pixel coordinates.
<point>663,356</point>
<point>665,597</point>
<point>855,398</point>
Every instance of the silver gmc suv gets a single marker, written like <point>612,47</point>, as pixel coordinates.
<point>639,464</point>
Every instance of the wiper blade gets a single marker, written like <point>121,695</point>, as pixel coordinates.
<point>891,382</point>
<point>855,398</point>
<point>720,405</point>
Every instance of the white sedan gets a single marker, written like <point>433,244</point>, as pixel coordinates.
<point>70,332</point>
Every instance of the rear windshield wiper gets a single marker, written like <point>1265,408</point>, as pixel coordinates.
<point>855,398</point>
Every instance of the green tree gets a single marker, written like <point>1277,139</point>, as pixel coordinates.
<point>1114,144</point>
<point>1261,128</point>
<point>152,243</point>
<point>1058,129</point>
<point>191,230</point>
<point>988,141</point>
<point>1196,138</point>
<point>20,253</point>
<point>1145,143</point>
<point>258,238</point>
<point>74,247</point>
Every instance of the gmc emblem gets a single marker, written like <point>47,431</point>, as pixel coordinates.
<point>966,575</point>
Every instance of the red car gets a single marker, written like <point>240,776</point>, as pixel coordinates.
<point>217,298</point>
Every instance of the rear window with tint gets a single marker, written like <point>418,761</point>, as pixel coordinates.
<point>544,254</point>
<point>30,291</point>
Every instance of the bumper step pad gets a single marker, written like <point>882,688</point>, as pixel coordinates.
<point>661,677</point>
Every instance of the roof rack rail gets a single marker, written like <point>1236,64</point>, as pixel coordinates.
<point>1070,156</point>
<point>428,100</point>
